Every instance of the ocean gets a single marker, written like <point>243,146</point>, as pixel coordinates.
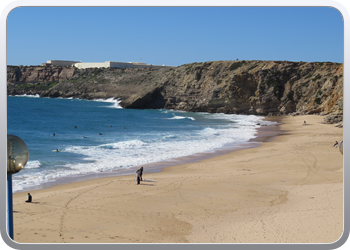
<point>100,137</point>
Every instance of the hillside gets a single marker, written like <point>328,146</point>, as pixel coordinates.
<point>239,87</point>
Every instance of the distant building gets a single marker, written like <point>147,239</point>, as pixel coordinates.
<point>106,64</point>
<point>59,63</point>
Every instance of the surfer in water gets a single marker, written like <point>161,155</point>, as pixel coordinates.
<point>53,134</point>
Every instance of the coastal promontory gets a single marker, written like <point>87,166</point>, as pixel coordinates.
<point>232,87</point>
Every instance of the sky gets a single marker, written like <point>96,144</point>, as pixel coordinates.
<point>173,35</point>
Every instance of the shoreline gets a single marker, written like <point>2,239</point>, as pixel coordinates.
<point>287,190</point>
<point>263,134</point>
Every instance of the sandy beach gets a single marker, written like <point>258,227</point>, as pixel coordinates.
<point>288,190</point>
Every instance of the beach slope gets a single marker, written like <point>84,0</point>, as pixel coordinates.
<point>288,190</point>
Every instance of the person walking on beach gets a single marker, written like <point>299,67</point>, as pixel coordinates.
<point>29,198</point>
<point>138,176</point>
<point>335,144</point>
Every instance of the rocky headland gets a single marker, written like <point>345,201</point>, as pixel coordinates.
<point>234,87</point>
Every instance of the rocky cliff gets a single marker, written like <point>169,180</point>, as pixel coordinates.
<point>18,74</point>
<point>240,87</point>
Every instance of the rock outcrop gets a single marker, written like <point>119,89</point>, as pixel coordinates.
<point>239,87</point>
<point>17,74</point>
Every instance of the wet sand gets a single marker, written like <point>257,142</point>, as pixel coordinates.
<point>287,190</point>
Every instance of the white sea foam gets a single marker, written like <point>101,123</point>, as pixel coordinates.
<point>35,96</point>
<point>176,117</point>
<point>210,132</point>
<point>115,102</point>
<point>124,154</point>
<point>33,164</point>
<point>168,137</point>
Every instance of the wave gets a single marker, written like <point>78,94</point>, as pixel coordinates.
<point>33,164</point>
<point>98,150</point>
<point>123,150</point>
<point>25,95</point>
<point>176,117</point>
<point>115,102</point>
<point>131,153</point>
<point>68,98</point>
<point>169,137</point>
<point>124,144</point>
<point>210,132</point>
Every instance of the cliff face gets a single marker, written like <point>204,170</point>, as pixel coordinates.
<point>16,74</point>
<point>240,87</point>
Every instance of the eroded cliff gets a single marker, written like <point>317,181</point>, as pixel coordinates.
<point>240,87</point>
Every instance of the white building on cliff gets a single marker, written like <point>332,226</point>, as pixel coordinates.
<point>106,64</point>
<point>59,63</point>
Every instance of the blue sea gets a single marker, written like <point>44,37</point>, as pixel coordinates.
<point>101,137</point>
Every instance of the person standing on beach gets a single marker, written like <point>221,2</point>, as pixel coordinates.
<point>138,176</point>
<point>141,170</point>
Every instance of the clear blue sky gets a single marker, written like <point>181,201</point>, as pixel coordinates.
<point>173,35</point>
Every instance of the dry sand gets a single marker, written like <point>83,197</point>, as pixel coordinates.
<point>288,190</point>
